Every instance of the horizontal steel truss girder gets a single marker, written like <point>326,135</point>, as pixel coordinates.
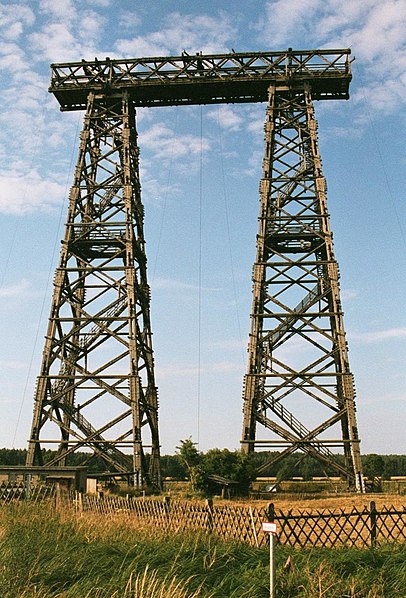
<point>203,78</point>
<point>298,368</point>
<point>96,389</point>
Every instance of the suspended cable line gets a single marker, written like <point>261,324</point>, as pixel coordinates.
<point>165,196</point>
<point>45,295</point>
<point>199,325</point>
<point>385,172</point>
<point>228,229</point>
<point>37,143</point>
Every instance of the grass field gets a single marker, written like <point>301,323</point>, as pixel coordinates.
<point>341,501</point>
<point>44,554</point>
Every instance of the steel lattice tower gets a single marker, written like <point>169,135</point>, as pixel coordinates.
<point>96,384</point>
<point>96,389</point>
<point>298,384</point>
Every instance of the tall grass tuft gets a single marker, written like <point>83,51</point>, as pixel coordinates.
<point>44,554</point>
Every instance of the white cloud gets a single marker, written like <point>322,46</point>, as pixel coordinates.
<point>56,43</point>
<point>380,31</point>
<point>256,121</point>
<point>380,335</point>
<point>12,364</point>
<point>178,285</point>
<point>69,33</point>
<point>61,10</point>
<point>12,58</point>
<point>281,20</point>
<point>23,193</point>
<point>227,117</point>
<point>15,290</point>
<point>14,18</point>
<point>166,144</point>
<point>191,371</point>
<point>100,3</point>
<point>178,32</point>
<point>348,294</point>
<point>91,26</point>
<point>129,20</point>
<point>373,29</point>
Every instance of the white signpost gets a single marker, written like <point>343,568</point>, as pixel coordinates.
<point>270,528</point>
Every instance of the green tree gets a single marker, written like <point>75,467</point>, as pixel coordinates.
<point>171,467</point>
<point>373,465</point>
<point>231,465</point>
<point>190,457</point>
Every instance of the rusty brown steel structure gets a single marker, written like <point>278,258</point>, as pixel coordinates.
<point>96,389</point>
<point>298,386</point>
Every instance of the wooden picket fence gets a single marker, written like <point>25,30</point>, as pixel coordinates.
<point>11,492</point>
<point>326,528</point>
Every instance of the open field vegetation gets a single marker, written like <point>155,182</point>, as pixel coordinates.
<point>347,501</point>
<point>47,554</point>
<point>225,462</point>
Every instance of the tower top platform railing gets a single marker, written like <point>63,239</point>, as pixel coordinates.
<point>237,77</point>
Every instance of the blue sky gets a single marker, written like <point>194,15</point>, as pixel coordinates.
<point>209,159</point>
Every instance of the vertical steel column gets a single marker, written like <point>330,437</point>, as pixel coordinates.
<point>96,390</point>
<point>298,384</point>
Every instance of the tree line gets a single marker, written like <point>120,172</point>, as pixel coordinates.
<point>190,463</point>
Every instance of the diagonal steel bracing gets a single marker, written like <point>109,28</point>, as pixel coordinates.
<point>298,385</point>
<point>96,390</point>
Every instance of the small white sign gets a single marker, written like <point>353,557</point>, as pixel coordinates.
<point>269,527</point>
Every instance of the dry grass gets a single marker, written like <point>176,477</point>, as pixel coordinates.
<point>59,555</point>
<point>341,501</point>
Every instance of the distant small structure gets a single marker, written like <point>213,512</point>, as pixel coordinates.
<point>69,478</point>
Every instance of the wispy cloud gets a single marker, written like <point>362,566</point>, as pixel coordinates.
<point>12,364</point>
<point>15,290</point>
<point>380,335</point>
<point>227,117</point>
<point>61,10</point>
<point>178,285</point>
<point>374,29</point>
<point>182,31</point>
<point>21,193</point>
<point>348,294</point>
<point>164,143</point>
<point>14,18</point>
<point>180,370</point>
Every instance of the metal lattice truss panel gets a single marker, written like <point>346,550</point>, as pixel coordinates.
<point>203,78</point>
<point>96,390</point>
<point>298,387</point>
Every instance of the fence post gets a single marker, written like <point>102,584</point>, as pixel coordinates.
<point>372,520</point>
<point>209,505</point>
<point>167,507</point>
<point>57,496</point>
<point>27,480</point>
<point>80,497</point>
<point>270,511</point>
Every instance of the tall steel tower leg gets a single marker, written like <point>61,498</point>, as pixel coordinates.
<point>298,384</point>
<point>96,390</point>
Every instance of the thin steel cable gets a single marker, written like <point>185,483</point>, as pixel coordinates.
<point>378,149</point>
<point>34,154</point>
<point>199,325</point>
<point>230,252</point>
<point>45,295</point>
<point>165,197</point>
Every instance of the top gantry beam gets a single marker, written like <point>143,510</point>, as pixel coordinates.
<point>204,78</point>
